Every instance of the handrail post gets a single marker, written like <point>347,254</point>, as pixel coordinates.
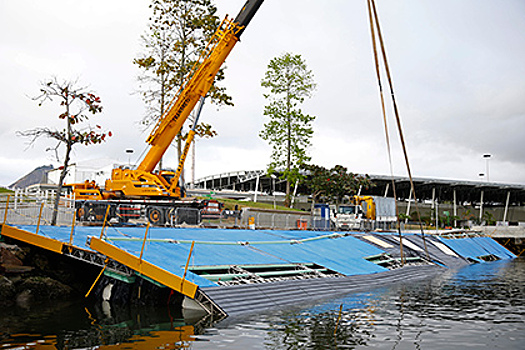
<point>104,224</point>
<point>39,216</point>
<point>144,242</point>
<point>187,265</point>
<point>72,231</point>
<point>6,208</point>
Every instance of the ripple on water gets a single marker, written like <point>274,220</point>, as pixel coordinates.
<point>480,306</point>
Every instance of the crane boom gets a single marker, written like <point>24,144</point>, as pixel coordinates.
<point>221,44</point>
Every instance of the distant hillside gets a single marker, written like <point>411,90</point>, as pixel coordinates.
<point>39,175</point>
<point>5,190</point>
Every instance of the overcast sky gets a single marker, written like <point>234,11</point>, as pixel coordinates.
<point>458,68</point>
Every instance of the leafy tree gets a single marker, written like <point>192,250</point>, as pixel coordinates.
<point>333,185</point>
<point>178,33</point>
<point>289,130</point>
<point>404,217</point>
<point>489,218</point>
<point>76,103</point>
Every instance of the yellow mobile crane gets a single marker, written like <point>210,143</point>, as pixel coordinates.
<point>132,193</point>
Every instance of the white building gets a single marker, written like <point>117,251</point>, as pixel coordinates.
<point>98,170</point>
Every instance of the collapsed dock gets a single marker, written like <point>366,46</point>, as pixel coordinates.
<point>225,272</point>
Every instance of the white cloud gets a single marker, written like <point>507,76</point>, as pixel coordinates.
<point>457,69</point>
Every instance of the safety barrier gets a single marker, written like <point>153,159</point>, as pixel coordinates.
<point>250,218</point>
<point>259,219</point>
<point>22,208</point>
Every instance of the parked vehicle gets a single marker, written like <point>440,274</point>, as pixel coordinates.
<point>365,213</point>
<point>347,217</point>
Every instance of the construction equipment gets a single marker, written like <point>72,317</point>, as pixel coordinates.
<point>157,194</point>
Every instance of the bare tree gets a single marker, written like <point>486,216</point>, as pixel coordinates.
<point>77,102</point>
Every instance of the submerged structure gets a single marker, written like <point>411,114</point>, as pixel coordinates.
<point>226,272</point>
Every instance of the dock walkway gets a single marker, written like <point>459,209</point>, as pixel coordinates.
<point>237,271</point>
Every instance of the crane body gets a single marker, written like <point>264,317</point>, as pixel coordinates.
<point>144,183</point>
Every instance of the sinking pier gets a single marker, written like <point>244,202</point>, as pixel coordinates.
<point>234,271</point>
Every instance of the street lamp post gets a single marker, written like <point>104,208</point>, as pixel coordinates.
<point>487,157</point>
<point>273,191</point>
<point>129,151</point>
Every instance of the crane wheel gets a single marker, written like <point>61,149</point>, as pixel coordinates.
<point>81,214</point>
<point>155,216</point>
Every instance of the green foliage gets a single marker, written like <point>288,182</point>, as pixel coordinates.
<point>6,190</point>
<point>403,217</point>
<point>333,185</point>
<point>289,130</point>
<point>489,218</point>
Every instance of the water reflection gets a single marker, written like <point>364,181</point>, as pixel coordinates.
<point>478,306</point>
<point>76,326</point>
<point>324,330</point>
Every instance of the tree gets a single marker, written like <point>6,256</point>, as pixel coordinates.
<point>178,33</point>
<point>289,130</point>
<point>333,185</point>
<point>76,103</point>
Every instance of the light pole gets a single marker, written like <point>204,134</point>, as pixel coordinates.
<point>273,180</point>
<point>129,151</point>
<point>487,157</point>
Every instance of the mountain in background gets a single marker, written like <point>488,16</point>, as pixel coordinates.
<point>37,176</point>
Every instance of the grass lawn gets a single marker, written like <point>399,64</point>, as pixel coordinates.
<point>5,190</point>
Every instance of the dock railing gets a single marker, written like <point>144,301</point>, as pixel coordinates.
<point>35,208</point>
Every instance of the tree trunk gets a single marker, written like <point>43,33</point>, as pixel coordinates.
<point>59,191</point>
<point>287,200</point>
<point>69,145</point>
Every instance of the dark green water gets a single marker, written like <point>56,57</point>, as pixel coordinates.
<point>478,307</point>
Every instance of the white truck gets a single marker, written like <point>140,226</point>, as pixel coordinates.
<point>365,213</point>
<point>347,217</point>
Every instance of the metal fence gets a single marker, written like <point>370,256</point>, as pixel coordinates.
<point>253,219</point>
<point>36,208</point>
<point>23,208</point>
<point>249,218</point>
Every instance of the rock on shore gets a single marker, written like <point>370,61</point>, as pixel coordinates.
<point>21,283</point>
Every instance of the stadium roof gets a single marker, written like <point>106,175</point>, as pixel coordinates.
<point>426,188</point>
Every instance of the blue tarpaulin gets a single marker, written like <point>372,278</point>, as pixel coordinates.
<point>475,247</point>
<point>169,248</point>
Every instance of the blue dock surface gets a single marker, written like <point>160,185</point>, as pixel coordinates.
<point>244,270</point>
